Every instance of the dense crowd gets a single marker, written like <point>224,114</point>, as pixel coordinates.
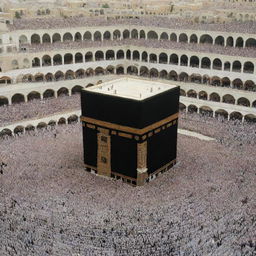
<point>205,205</point>
<point>37,108</point>
<point>165,44</point>
<point>163,22</point>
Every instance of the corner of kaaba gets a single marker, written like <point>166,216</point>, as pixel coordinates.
<point>130,129</point>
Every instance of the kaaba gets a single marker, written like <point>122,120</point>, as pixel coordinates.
<point>130,129</point>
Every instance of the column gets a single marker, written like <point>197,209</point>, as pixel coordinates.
<point>142,169</point>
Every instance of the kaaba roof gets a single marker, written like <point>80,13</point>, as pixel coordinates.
<point>131,88</point>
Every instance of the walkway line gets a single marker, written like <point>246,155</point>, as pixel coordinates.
<point>195,134</point>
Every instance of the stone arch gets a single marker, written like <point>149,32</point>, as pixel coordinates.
<point>89,72</point>
<point>136,55</point>
<point>63,91</point>
<point>183,38</point>
<point>225,82</point>
<point>192,108</point>
<point>119,70</point>
<point>34,96</point>
<point>76,89</point>
<point>214,97</point>
<point>120,54</point>
<point>183,77</point>
<point>164,36</point>
<point>67,37</point>
<point>110,55</point>
<point>35,39</point>
<point>79,57</point>
<point>248,67</point>
<point>239,42</point>
<point>250,118</point>
<point>173,37</point>
<point>217,64</point>
<point>3,101</point>
<point>194,61</point>
<point>206,111</point>
<point>56,38</point>
<point>5,133</point>
<point>236,116</point>
<point>87,36</point>
<point>237,84</point>
<point>221,114</point>
<point>72,119</point>
<point>153,58</point>
<point>192,94</point>
<point>144,71</point>
<point>80,73</point>
<point>227,66</point>
<point>126,34</point>
<point>182,107</point>
<point>163,58</point>
<point>46,39</point>
<point>202,95</point>
<point>144,56</point>
<point>88,57</point>
<point>206,63</point>
<point>23,39</point>
<point>153,72</point>
<point>206,39</point>
<point>18,130</point>
<point>249,85</point>
<point>254,104</point>
<point>193,39</point>
<point>236,66</point>
<point>196,78</point>
<point>184,60</point>
<point>48,94</point>
<point>174,59</point>
<point>99,71</point>
<point>132,70</point>
<point>152,35</point>
<point>250,42</point>
<point>62,121</point>
<point>206,79</point>
<point>97,36</point>
<point>243,102</point>
<point>68,58</point>
<point>18,98</point>
<point>110,69</point>
<point>49,77</point>
<point>106,35</point>
<point>116,34</point>
<point>219,40</point>
<point>29,128</point>
<point>39,77</point>
<point>78,37</point>
<point>134,34</point>
<point>41,126</point>
<point>227,98</point>
<point>142,34</point>
<point>99,55</point>
<point>46,61</point>
<point>57,60</point>
<point>230,41</point>
<point>173,75</point>
<point>69,75</point>
<point>163,74</point>
<point>216,81</point>
<point>59,75</point>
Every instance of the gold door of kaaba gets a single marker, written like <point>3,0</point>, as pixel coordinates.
<point>104,153</point>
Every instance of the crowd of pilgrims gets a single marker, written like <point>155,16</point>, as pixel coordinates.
<point>78,21</point>
<point>204,205</point>
<point>149,43</point>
